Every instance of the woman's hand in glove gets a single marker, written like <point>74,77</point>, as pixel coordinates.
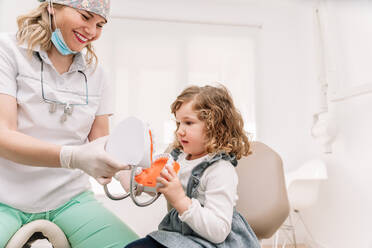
<point>92,159</point>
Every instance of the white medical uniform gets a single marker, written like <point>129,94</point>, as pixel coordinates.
<point>39,189</point>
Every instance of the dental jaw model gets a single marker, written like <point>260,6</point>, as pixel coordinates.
<point>131,143</point>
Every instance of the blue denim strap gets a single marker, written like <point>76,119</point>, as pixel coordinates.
<point>198,171</point>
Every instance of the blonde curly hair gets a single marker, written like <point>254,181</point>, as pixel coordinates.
<point>34,28</point>
<point>223,122</point>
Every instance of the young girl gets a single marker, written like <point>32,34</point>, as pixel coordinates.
<point>209,141</point>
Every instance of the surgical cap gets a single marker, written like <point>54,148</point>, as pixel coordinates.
<point>99,7</point>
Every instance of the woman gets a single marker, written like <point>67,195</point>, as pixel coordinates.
<point>54,101</point>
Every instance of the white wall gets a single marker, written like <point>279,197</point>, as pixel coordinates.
<point>287,97</point>
<point>287,94</point>
<point>345,199</point>
<point>286,68</point>
<point>9,10</point>
<point>342,216</point>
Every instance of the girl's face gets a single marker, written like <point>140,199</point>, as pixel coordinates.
<point>79,27</point>
<point>190,131</point>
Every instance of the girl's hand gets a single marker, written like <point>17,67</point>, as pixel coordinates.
<point>172,190</point>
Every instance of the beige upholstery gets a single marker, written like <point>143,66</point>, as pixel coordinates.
<point>262,191</point>
<point>50,230</point>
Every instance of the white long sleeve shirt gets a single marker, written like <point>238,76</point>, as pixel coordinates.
<point>210,215</point>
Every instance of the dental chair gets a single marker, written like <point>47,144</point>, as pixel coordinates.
<point>263,199</point>
<point>38,229</point>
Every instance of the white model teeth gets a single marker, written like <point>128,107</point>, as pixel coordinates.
<point>81,37</point>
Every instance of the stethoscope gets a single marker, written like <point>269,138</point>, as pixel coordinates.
<point>68,107</point>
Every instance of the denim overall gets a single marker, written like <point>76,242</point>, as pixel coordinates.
<point>172,232</point>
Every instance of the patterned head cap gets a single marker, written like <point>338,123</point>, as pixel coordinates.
<point>99,7</point>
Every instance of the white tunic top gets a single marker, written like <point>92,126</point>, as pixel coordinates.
<point>210,215</point>
<point>38,189</point>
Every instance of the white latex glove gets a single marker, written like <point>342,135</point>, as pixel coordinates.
<point>92,159</point>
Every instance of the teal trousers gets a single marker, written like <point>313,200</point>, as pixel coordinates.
<point>85,222</point>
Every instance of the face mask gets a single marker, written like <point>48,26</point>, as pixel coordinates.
<point>60,43</point>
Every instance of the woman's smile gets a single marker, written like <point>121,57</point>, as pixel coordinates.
<point>81,38</point>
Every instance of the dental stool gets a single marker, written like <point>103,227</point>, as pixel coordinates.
<point>38,229</point>
<point>303,186</point>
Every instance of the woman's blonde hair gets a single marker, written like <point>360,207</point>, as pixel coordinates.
<point>34,28</point>
<point>223,122</point>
